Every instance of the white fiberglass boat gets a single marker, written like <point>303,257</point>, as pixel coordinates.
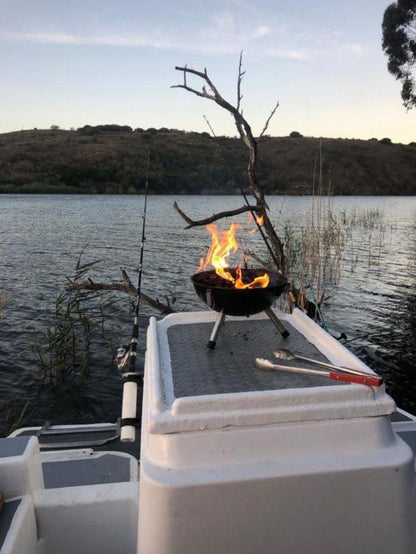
<point>233,459</point>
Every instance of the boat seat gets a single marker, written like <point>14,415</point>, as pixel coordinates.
<point>18,532</point>
<point>87,468</point>
<point>406,430</point>
<point>409,437</point>
<point>67,501</point>
<point>89,502</point>
<point>401,416</point>
<point>20,466</point>
<point>6,517</point>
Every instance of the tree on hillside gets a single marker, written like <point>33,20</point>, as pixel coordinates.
<point>399,45</point>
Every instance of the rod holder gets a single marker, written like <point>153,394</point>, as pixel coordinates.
<point>129,406</point>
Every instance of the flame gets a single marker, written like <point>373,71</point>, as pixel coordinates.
<point>250,219</point>
<point>260,282</point>
<point>259,221</point>
<point>223,245</point>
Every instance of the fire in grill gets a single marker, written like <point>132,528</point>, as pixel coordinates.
<point>235,291</point>
<point>222,296</point>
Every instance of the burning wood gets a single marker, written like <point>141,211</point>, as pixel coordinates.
<point>223,245</point>
<point>222,295</point>
<point>246,276</point>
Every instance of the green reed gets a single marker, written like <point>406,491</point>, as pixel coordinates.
<point>327,241</point>
<point>66,348</point>
<point>14,413</point>
<point>313,253</point>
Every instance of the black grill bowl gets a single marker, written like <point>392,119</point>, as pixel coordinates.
<point>221,297</point>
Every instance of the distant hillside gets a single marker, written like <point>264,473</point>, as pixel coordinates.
<point>112,159</point>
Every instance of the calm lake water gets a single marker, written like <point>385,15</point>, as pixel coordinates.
<point>43,235</point>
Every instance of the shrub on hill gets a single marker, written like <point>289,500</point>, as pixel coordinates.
<point>108,128</point>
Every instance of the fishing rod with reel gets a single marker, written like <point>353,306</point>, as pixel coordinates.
<point>127,355</point>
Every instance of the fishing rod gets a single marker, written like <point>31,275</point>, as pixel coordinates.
<point>249,206</point>
<point>127,356</point>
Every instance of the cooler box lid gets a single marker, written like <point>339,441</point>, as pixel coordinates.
<point>193,388</point>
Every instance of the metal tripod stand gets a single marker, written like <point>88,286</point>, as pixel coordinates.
<point>220,322</point>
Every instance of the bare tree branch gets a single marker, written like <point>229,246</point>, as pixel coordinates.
<point>214,217</point>
<point>239,79</point>
<point>242,125</point>
<point>209,125</point>
<point>127,287</point>
<point>269,119</point>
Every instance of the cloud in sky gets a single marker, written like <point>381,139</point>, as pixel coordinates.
<point>221,32</point>
<point>65,38</point>
<point>261,31</point>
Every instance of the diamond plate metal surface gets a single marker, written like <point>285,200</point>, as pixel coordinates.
<point>229,368</point>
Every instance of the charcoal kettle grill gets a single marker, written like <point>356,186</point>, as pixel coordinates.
<point>224,298</point>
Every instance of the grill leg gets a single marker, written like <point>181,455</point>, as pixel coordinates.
<point>216,331</point>
<point>277,323</point>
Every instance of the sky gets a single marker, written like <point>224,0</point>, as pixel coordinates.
<point>76,62</point>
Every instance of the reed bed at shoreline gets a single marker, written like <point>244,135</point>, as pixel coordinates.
<point>324,245</point>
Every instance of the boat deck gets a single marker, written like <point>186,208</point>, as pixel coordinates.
<point>6,517</point>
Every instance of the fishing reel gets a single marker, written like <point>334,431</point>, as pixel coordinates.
<point>123,357</point>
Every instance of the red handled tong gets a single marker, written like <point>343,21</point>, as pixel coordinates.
<point>361,379</point>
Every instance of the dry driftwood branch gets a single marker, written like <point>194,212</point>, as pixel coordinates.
<point>209,91</point>
<point>125,286</point>
<point>269,119</point>
<point>214,217</point>
<point>241,74</point>
<point>242,125</point>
